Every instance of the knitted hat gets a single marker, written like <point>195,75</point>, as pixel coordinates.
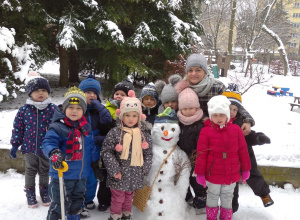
<point>197,60</point>
<point>74,96</point>
<point>90,84</point>
<point>129,104</point>
<point>234,97</point>
<point>125,86</point>
<point>168,116</point>
<point>168,92</point>
<point>187,98</point>
<point>34,82</point>
<point>149,89</point>
<point>219,104</point>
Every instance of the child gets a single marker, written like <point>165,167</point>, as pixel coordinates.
<point>70,139</point>
<point>99,118</point>
<point>168,94</point>
<point>29,129</point>
<point>221,154</point>
<point>119,93</point>
<point>150,102</point>
<point>256,180</point>
<point>127,155</point>
<point>190,115</point>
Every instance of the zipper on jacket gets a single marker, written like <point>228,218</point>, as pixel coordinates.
<point>37,130</point>
<point>82,141</point>
<point>211,166</point>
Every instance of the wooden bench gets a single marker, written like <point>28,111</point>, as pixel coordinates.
<point>293,105</point>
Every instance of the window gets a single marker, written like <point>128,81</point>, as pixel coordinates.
<point>296,15</point>
<point>293,44</point>
<point>297,5</point>
<point>296,25</point>
<point>295,35</point>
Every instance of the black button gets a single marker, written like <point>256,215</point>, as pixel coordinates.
<point>159,190</point>
<point>161,201</point>
<point>159,181</point>
<point>165,152</point>
<point>161,172</point>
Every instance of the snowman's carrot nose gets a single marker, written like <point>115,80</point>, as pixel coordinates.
<point>166,133</point>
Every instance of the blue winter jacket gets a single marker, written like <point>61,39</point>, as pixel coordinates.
<point>30,127</point>
<point>56,138</point>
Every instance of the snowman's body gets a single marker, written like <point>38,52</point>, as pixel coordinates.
<point>167,200</point>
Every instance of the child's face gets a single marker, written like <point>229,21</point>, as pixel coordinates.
<point>188,112</point>
<point>74,112</point>
<point>195,75</point>
<point>119,95</point>
<point>90,96</point>
<point>172,105</point>
<point>39,95</point>
<point>130,118</point>
<point>233,111</point>
<point>219,118</point>
<point>149,101</point>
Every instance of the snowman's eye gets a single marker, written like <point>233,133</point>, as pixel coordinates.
<point>162,128</point>
<point>173,129</point>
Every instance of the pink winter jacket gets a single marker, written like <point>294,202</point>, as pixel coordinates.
<point>221,153</point>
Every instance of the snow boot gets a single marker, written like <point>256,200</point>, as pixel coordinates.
<point>115,217</point>
<point>73,217</point>
<point>267,200</point>
<point>212,213</point>
<point>44,196</point>
<point>199,204</point>
<point>89,205</point>
<point>31,198</point>
<point>102,207</point>
<point>225,214</point>
<point>84,213</point>
<point>126,215</point>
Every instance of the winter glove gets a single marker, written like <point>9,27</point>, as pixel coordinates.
<point>201,180</point>
<point>245,176</point>
<point>56,158</point>
<point>262,138</point>
<point>97,171</point>
<point>105,116</point>
<point>13,152</point>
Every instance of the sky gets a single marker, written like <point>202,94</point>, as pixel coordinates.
<point>272,116</point>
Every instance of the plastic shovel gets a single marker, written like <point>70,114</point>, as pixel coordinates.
<point>61,188</point>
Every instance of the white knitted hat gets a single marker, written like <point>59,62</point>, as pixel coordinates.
<point>219,104</point>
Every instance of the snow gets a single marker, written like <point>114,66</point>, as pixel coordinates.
<point>272,116</point>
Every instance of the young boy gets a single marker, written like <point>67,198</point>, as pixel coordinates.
<point>168,94</point>
<point>70,139</point>
<point>150,102</point>
<point>100,120</point>
<point>29,129</point>
<point>119,93</point>
<point>256,180</point>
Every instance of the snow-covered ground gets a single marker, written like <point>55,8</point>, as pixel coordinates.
<point>272,116</point>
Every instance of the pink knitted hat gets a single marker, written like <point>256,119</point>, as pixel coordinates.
<point>187,98</point>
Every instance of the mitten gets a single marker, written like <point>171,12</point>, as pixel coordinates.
<point>262,138</point>
<point>97,171</point>
<point>245,176</point>
<point>105,116</point>
<point>13,152</point>
<point>56,158</point>
<point>201,180</point>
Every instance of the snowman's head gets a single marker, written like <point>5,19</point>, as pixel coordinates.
<point>165,134</point>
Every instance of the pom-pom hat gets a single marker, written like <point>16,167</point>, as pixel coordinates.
<point>74,96</point>
<point>234,97</point>
<point>34,82</point>
<point>219,104</point>
<point>149,89</point>
<point>196,60</point>
<point>187,98</point>
<point>90,84</point>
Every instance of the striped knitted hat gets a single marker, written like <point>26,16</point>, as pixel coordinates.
<point>34,82</point>
<point>234,97</point>
<point>90,84</point>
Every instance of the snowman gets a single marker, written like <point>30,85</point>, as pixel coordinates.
<point>167,199</point>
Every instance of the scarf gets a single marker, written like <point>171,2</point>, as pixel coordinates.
<point>202,88</point>
<point>74,147</point>
<point>39,105</point>
<point>133,135</point>
<point>190,120</point>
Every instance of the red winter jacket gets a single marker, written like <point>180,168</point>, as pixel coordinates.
<point>221,153</point>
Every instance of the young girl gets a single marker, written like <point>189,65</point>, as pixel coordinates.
<point>127,155</point>
<point>221,154</point>
<point>190,115</point>
<point>29,129</point>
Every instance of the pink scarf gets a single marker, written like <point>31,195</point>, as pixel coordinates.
<point>190,120</point>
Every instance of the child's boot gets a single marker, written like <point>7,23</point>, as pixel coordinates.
<point>212,213</point>
<point>73,217</point>
<point>199,205</point>
<point>115,217</point>
<point>126,215</point>
<point>31,198</point>
<point>225,214</point>
<point>44,195</point>
<point>267,200</point>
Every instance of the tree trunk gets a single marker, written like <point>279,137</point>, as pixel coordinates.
<point>230,41</point>
<point>64,67</point>
<point>74,66</point>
